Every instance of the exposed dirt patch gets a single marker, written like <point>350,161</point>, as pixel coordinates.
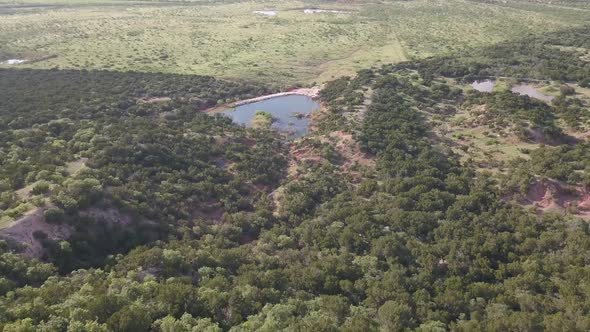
<point>553,196</point>
<point>277,197</point>
<point>76,166</point>
<point>109,215</point>
<point>310,92</point>
<point>351,160</point>
<point>351,151</point>
<point>300,155</point>
<point>22,232</point>
<point>582,135</point>
<point>154,100</point>
<point>25,192</point>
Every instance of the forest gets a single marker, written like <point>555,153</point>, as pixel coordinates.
<point>425,241</point>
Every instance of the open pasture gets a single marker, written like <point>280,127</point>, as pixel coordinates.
<point>230,40</point>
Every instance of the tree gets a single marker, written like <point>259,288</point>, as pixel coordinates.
<point>395,316</point>
<point>54,215</point>
<point>134,317</point>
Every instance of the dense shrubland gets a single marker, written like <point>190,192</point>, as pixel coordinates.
<point>552,56</point>
<point>565,163</point>
<point>522,114</point>
<point>158,162</point>
<point>423,244</point>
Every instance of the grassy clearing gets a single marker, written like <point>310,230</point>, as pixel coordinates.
<point>229,40</point>
<point>481,146</point>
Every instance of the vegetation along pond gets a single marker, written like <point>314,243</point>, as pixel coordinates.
<point>290,113</point>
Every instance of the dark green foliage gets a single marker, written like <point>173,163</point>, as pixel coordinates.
<point>18,271</point>
<point>54,215</point>
<point>573,111</point>
<point>425,244</point>
<point>157,162</point>
<point>533,56</point>
<point>564,163</point>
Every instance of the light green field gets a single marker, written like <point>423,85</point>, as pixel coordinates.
<point>229,40</point>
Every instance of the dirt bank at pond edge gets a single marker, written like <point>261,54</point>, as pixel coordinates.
<point>309,92</point>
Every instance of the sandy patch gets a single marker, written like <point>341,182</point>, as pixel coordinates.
<point>351,151</point>
<point>345,145</point>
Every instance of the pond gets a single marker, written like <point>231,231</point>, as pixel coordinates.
<point>266,12</point>
<point>331,11</point>
<point>290,113</point>
<point>12,62</point>
<point>531,91</point>
<point>484,86</point>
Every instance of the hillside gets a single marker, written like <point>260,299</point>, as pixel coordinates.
<point>415,203</point>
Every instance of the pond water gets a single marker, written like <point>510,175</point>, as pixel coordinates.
<point>12,62</point>
<point>531,91</point>
<point>316,11</point>
<point>484,86</point>
<point>290,113</point>
<point>266,12</point>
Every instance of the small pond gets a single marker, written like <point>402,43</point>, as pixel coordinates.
<point>266,12</point>
<point>290,113</point>
<point>531,91</point>
<point>317,11</point>
<point>12,62</point>
<point>484,86</point>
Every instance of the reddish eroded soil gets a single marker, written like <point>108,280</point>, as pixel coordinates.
<point>344,143</point>
<point>300,155</point>
<point>553,196</point>
<point>351,151</point>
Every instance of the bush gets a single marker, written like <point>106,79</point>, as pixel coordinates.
<point>39,235</point>
<point>567,90</point>
<point>40,188</point>
<point>54,215</point>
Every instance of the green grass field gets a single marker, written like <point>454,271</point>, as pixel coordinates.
<point>230,40</point>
